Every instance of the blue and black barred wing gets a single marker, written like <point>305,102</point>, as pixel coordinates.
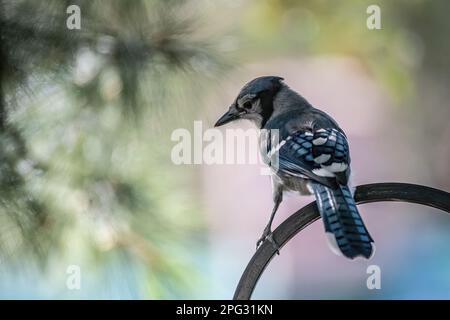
<point>321,155</point>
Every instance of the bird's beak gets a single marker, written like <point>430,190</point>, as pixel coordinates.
<point>231,115</point>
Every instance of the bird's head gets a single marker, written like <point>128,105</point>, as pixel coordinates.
<point>254,101</point>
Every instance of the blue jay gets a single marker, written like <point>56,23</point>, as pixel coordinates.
<point>313,158</point>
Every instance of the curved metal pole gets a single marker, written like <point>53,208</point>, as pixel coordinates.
<point>305,216</point>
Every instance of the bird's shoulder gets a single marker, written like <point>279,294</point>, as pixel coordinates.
<point>309,119</point>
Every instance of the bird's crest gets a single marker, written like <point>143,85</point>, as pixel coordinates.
<point>261,84</point>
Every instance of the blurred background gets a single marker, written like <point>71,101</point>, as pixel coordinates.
<point>86,118</point>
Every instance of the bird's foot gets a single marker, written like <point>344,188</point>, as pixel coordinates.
<point>268,235</point>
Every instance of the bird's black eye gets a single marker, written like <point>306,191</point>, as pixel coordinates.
<point>247,105</point>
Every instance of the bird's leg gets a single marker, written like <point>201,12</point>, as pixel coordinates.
<point>267,233</point>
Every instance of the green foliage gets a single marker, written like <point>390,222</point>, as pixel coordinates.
<point>82,177</point>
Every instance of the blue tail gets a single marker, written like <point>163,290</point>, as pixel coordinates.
<point>342,221</point>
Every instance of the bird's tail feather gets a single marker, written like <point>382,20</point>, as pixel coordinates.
<point>345,229</point>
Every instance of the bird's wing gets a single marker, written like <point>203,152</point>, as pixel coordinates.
<point>321,155</point>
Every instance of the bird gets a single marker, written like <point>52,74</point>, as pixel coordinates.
<point>310,156</point>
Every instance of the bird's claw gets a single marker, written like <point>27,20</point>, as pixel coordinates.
<point>268,235</point>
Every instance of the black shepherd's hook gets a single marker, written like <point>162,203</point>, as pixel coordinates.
<point>305,216</point>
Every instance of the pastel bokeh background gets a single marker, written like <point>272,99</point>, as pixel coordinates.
<point>86,117</point>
